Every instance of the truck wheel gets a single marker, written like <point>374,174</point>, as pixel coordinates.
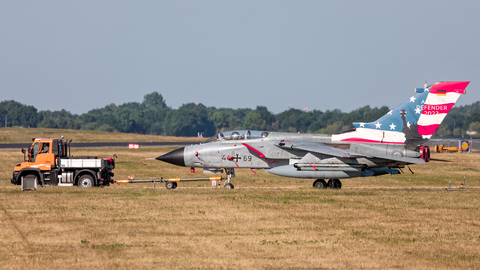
<point>30,175</point>
<point>86,181</point>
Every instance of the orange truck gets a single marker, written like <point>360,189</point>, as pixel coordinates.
<point>49,163</point>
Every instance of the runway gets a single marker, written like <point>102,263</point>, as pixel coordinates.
<point>101,144</point>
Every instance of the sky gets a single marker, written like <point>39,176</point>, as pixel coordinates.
<point>83,55</point>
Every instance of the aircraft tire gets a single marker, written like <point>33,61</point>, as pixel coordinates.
<point>338,184</point>
<point>174,185</point>
<point>229,186</point>
<point>320,183</point>
<point>334,183</point>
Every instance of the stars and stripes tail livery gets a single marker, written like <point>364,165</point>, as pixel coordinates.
<point>442,96</point>
<point>412,122</point>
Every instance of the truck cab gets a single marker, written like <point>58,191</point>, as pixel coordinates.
<point>49,162</point>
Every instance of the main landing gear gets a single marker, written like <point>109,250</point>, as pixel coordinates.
<point>332,183</point>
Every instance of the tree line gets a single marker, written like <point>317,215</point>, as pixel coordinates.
<point>153,116</point>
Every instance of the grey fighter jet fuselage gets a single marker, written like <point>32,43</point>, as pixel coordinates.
<point>380,147</point>
<point>314,156</point>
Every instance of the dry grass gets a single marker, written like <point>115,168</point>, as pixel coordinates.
<point>265,222</point>
<point>25,135</point>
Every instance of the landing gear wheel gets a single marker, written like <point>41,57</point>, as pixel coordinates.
<point>171,185</point>
<point>338,184</point>
<point>320,183</point>
<point>229,186</point>
<point>334,183</point>
<point>85,181</point>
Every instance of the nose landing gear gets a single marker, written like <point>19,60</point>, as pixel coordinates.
<point>230,174</point>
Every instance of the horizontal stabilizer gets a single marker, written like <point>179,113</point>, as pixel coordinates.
<point>408,160</point>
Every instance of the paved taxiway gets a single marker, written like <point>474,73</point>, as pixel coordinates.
<point>101,144</point>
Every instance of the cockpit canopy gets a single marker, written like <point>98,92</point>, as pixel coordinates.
<point>237,135</point>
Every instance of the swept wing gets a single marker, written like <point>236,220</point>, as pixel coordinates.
<point>324,149</point>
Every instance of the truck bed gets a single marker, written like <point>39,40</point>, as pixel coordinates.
<point>76,162</point>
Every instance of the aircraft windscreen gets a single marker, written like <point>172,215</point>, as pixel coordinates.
<point>237,135</point>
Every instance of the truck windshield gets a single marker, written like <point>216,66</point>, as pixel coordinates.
<point>34,152</point>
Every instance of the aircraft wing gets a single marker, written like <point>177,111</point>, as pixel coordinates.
<point>342,153</point>
<point>409,160</point>
<point>321,149</point>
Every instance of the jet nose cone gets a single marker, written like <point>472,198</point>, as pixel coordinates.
<point>174,157</point>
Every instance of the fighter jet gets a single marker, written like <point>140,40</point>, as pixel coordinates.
<point>384,146</point>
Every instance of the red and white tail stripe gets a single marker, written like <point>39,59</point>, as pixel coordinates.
<point>440,100</point>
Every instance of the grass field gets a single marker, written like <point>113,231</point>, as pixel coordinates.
<point>266,222</point>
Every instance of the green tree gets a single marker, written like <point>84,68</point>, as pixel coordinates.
<point>266,116</point>
<point>188,120</point>
<point>474,126</point>
<point>299,120</point>
<point>47,123</point>
<point>222,119</point>
<point>18,114</point>
<point>334,128</point>
<point>152,114</point>
<point>254,121</point>
<point>128,117</point>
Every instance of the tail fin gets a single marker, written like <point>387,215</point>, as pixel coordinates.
<point>441,98</point>
<point>414,121</point>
